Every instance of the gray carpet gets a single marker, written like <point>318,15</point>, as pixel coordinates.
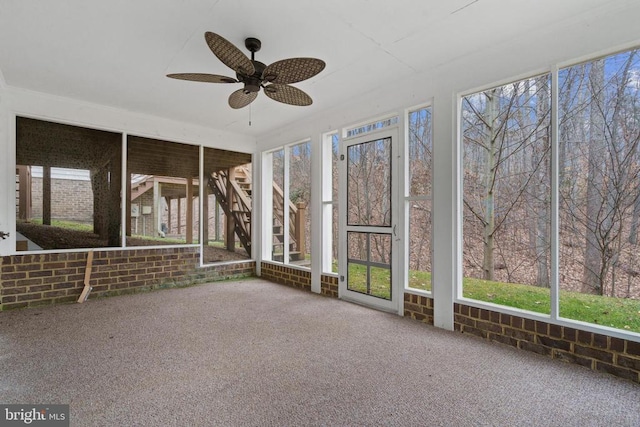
<point>255,353</point>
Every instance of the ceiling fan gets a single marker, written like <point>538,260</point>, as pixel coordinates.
<point>275,79</point>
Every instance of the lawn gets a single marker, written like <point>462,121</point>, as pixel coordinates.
<point>620,313</point>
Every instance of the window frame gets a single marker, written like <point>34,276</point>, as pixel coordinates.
<point>554,238</point>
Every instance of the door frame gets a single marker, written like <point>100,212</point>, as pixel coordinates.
<point>394,230</point>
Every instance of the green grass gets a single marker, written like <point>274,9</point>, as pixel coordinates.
<point>70,225</point>
<point>380,281</point>
<point>620,313</point>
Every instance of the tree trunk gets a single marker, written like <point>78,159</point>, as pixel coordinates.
<point>490,175</point>
<point>594,203</point>
<point>542,171</point>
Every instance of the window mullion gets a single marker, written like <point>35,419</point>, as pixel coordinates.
<point>555,230</point>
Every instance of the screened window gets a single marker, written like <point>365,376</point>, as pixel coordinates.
<point>506,194</point>
<point>599,191</point>
<point>418,198</point>
<point>68,185</point>
<point>288,180</point>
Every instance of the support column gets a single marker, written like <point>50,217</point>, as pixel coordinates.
<point>189,221</point>
<point>229,235</point>
<point>217,220</point>
<point>169,215</point>
<point>155,222</point>
<point>446,205</point>
<point>46,195</point>
<point>128,201</point>
<point>100,188</point>
<point>205,215</point>
<point>179,222</point>
<point>114,204</point>
<point>24,191</point>
<point>300,220</point>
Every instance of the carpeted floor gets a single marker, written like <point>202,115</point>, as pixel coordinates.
<point>254,353</point>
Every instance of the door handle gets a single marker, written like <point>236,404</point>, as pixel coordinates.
<point>394,230</point>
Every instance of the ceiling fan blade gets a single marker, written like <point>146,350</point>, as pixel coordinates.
<point>292,70</point>
<point>199,77</point>
<point>287,94</point>
<point>239,98</point>
<point>230,55</point>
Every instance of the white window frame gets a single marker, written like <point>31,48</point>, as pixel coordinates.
<point>554,316</point>
<point>327,202</point>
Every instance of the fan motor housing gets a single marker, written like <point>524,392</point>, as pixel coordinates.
<point>253,82</point>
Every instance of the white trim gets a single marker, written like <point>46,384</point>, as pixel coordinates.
<point>327,202</point>
<point>266,217</point>
<point>315,210</point>
<point>387,116</point>
<point>554,279</point>
<point>202,219</point>
<point>285,205</point>
<point>635,44</point>
<point>124,151</point>
<point>106,248</point>
<point>505,81</point>
<point>420,292</point>
<point>445,205</point>
<point>256,207</point>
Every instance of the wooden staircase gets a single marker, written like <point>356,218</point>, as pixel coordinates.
<point>297,213</point>
<point>232,189</point>
<point>142,184</point>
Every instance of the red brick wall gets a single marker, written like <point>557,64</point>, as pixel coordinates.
<point>286,275</point>
<point>418,307</point>
<point>595,351</point>
<point>44,279</point>
<point>70,199</point>
<point>297,278</point>
<point>329,285</point>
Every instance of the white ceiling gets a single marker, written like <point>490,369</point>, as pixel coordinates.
<point>117,52</point>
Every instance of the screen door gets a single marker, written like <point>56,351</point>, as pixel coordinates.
<point>367,224</point>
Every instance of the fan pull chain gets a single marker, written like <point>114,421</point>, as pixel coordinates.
<point>249,114</point>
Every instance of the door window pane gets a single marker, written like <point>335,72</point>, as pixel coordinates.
<point>368,264</point>
<point>369,183</point>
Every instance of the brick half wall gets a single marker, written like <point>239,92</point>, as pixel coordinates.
<point>286,275</point>
<point>598,352</point>
<point>45,279</point>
